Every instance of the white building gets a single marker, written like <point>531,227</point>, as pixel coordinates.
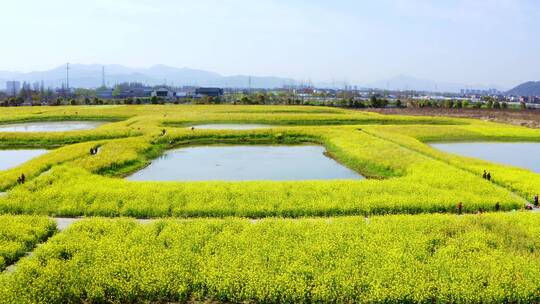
<point>13,87</point>
<point>163,93</point>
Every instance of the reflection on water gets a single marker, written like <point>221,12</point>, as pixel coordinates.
<point>51,126</point>
<point>242,163</point>
<point>525,155</point>
<point>13,158</point>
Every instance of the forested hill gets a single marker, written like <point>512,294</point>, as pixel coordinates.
<point>530,88</point>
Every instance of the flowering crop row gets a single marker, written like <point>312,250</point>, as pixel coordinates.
<point>392,259</point>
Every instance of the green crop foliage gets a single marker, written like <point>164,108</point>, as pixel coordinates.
<point>518,180</point>
<point>410,185</point>
<point>19,234</point>
<point>254,241</point>
<point>393,259</point>
<point>405,175</point>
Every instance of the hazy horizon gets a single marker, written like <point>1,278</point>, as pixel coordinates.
<point>466,42</point>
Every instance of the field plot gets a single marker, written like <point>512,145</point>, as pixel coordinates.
<point>378,239</point>
<point>19,234</point>
<point>445,258</point>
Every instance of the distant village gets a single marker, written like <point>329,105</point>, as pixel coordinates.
<point>18,93</point>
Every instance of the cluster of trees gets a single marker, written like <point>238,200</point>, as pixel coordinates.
<point>58,101</point>
<point>485,103</point>
<point>88,97</point>
<point>373,102</point>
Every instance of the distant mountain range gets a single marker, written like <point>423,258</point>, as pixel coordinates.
<point>531,88</point>
<point>90,76</point>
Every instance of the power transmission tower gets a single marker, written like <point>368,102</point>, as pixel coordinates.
<point>103,76</point>
<point>67,76</point>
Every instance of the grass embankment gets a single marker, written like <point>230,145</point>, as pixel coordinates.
<point>394,259</point>
<point>404,182</point>
<point>521,181</point>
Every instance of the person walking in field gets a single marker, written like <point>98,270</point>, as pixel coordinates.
<point>460,208</point>
<point>484,176</point>
<point>497,206</point>
<point>488,176</point>
<point>23,178</point>
<point>536,200</point>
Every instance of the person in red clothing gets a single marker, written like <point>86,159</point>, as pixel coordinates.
<point>460,208</point>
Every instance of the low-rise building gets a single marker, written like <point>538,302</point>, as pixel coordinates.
<point>213,92</point>
<point>136,92</point>
<point>104,93</point>
<point>163,93</point>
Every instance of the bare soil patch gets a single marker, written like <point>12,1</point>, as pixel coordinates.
<point>527,118</point>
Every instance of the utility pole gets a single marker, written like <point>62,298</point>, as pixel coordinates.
<point>249,84</point>
<point>67,77</point>
<point>103,76</point>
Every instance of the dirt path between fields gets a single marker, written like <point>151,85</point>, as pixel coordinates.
<point>527,118</point>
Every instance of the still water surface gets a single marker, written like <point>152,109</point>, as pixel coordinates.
<point>524,155</point>
<point>51,126</point>
<point>244,163</point>
<point>12,158</point>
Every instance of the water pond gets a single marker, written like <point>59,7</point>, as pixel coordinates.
<point>245,163</point>
<point>231,126</point>
<point>12,158</point>
<point>51,126</point>
<point>524,155</point>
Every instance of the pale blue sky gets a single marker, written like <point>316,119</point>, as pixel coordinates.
<point>465,41</point>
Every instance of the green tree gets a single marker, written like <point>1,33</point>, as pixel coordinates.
<point>376,102</point>
<point>261,99</point>
<point>117,91</point>
<point>448,104</point>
